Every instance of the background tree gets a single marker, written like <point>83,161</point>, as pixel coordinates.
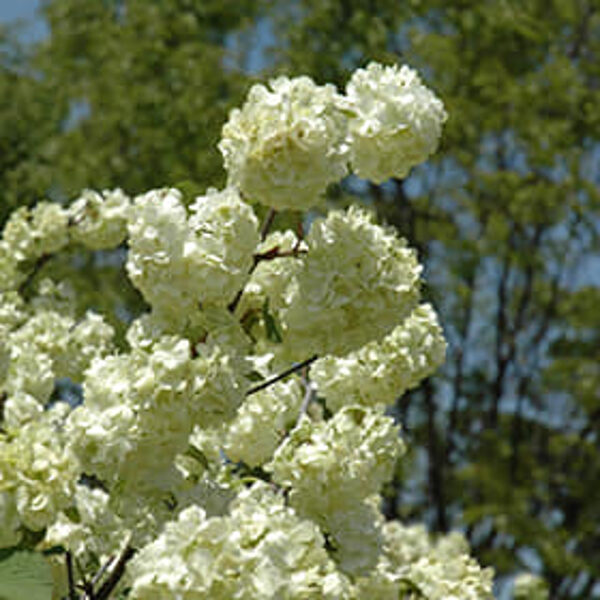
<point>506,219</point>
<point>31,112</point>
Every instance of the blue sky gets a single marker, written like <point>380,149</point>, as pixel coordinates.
<point>11,10</point>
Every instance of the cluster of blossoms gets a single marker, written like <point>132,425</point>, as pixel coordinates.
<point>188,447</point>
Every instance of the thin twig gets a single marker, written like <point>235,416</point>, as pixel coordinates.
<point>85,585</point>
<point>308,398</point>
<point>293,369</point>
<point>98,576</point>
<point>266,226</point>
<point>259,257</point>
<point>274,253</point>
<point>116,574</point>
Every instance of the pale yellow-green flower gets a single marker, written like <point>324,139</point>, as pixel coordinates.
<point>37,472</point>
<point>99,221</point>
<point>327,465</point>
<point>411,561</point>
<point>396,124</point>
<point>357,282</point>
<point>381,371</point>
<point>286,144</point>
<point>262,550</point>
<point>262,422</point>
<point>180,263</point>
<point>32,233</point>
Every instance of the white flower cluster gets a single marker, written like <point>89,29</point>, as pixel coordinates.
<point>179,263</point>
<point>397,121</point>
<point>380,372</point>
<point>32,233</point>
<point>140,408</point>
<point>528,586</point>
<point>260,550</point>
<point>262,423</point>
<point>99,221</point>
<point>37,475</point>
<point>287,143</point>
<point>40,344</point>
<point>357,282</point>
<point>331,469</point>
<point>93,532</point>
<point>348,457</point>
<point>437,570</point>
<point>63,346</point>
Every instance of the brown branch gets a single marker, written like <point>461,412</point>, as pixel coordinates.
<point>271,254</point>
<point>293,369</point>
<point>435,462</point>
<point>70,578</point>
<point>117,573</point>
<point>266,226</point>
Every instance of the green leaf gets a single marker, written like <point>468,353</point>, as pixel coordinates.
<point>25,575</point>
<point>272,331</point>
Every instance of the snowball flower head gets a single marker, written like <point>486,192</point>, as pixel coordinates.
<point>99,221</point>
<point>261,550</point>
<point>330,464</point>
<point>381,371</point>
<point>357,282</point>
<point>397,121</point>
<point>286,143</point>
<point>178,262</point>
<point>37,474</point>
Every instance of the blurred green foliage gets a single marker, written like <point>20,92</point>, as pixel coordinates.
<point>506,218</point>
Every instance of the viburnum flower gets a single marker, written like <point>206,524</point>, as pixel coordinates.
<point>396,124</point>
<point>260,550</point>
<point>381,371</point>
<point>179,263</point>
<point>286,144</point>
<point>326,465</point>
<point>357,281</point>
<point>192,443</point>
<point>416,564</point>
<point>33,232</point>
<point>99,221</point>
<point>37,474</point>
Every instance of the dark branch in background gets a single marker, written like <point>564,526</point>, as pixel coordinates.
<point>501,329</point>
<point>293,369</point>
<point>435,470</point>
<point>582,33</point>
<point>457,387</point>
